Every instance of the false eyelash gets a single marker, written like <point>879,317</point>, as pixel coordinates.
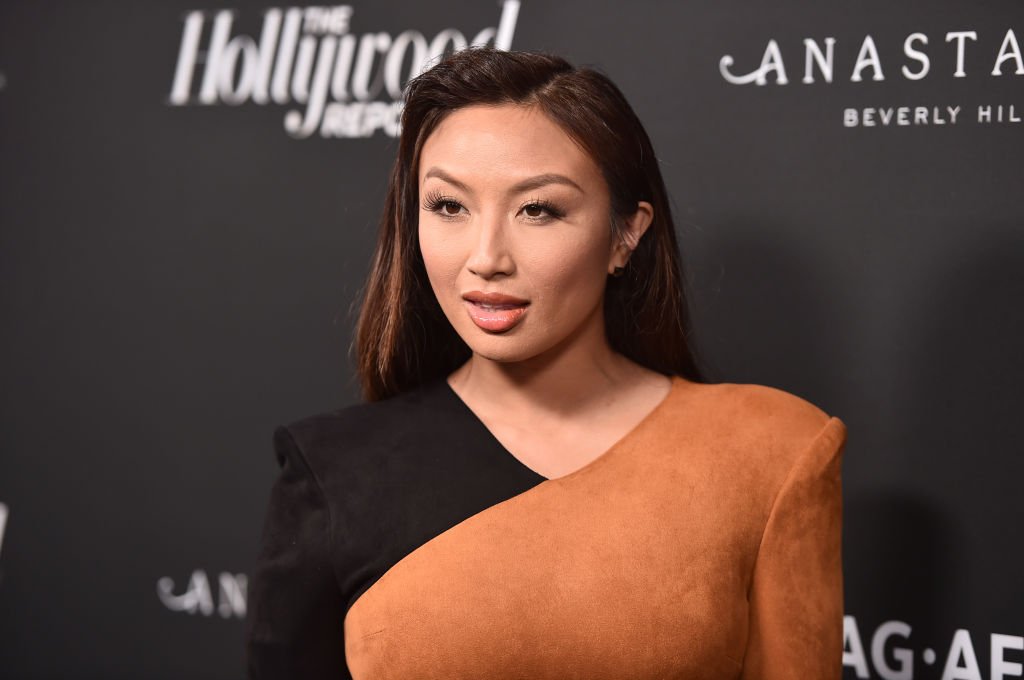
<point>552,210</point>
<point>434,200</point>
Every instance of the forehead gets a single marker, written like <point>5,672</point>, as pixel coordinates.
<point>504,143</point>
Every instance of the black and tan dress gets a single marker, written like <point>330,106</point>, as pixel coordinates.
<point>402,541</point>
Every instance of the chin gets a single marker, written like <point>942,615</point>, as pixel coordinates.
<point>502,355</point>
<point>500,348</point>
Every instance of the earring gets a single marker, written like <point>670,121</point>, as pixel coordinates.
<point>618,271</point>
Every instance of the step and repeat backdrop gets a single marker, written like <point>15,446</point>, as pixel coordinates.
<point>189,202</point>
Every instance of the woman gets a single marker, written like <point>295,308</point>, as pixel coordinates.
<point>540,484</point>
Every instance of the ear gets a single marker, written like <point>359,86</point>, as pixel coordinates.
<point>635,227</point>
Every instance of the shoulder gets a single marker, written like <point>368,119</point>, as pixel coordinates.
<point>361,431</point>
<point>763,406</point>
<point>765,425</point>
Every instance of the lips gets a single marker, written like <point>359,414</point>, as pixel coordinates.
<point>494,312</point>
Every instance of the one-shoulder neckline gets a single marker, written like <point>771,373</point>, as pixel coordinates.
<point>676,382</point>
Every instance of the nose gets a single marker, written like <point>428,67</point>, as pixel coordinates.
<point>490,255</point>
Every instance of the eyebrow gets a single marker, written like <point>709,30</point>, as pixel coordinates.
<point>526,185</point>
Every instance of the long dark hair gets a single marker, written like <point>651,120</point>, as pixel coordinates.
<point>403,338</point>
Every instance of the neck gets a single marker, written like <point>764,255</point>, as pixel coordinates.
<point>580,372</point>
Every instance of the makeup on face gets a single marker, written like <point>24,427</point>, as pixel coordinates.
<point>513,230</point>
<point>494,312</point>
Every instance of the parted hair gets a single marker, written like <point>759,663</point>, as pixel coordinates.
<point>402,337</point>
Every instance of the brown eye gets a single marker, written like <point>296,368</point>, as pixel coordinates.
<point>534,211</point>
<point>451,208</point>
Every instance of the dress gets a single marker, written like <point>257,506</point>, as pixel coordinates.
<point>403,541</point>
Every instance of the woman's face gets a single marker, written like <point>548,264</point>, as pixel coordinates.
<point>511,206</point>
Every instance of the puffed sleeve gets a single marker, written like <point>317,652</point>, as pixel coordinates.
<point>295,611</point>
<point>796,596</point>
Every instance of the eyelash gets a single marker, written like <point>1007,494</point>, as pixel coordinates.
<point>434,202</point>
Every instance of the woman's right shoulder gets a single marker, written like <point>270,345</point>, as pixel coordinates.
<point>360,432</point>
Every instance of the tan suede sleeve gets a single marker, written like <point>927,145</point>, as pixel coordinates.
<point>796,594</point>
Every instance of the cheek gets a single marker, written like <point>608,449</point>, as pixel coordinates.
<point>571,271</point>
<point>440,257</point>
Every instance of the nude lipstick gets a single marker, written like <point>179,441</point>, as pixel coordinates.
<point>494,312</point>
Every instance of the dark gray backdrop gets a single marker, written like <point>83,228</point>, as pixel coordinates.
<point>176,280</point>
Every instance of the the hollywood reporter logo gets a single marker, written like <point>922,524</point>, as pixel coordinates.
<point>308,56</point>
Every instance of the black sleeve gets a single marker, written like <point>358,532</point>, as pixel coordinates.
<point>294,622</point>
